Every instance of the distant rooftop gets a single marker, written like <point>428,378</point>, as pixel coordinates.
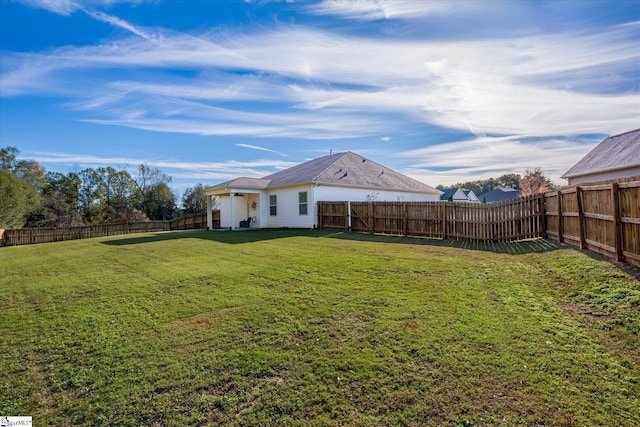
<point>499,194</point>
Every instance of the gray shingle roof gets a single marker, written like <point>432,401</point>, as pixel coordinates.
<point>499,194</point>
<point>243,182</point>
<point>451,192</point>
<point>613,153</point>
<point>348,169</point>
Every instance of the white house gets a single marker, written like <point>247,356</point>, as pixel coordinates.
<point>459,195</point>
<point>615,157</point>
<point>288,198</point>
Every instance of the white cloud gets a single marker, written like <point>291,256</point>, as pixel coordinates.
<point>371,10</point>
<point>206,172</point>
<point>120,23</point>
<point>490,157</point>
<point>255,147</point>
<point>61,7</point>
<point>67,7</point>
<point>302,83</point>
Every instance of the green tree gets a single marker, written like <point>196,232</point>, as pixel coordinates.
<point>61,194</point>
<point>147,181</point>
<point>27,170</point>
<point>19,188</point>
<point>91,201</point>
<point>509,180</point>
<point>8,158</point>
<point>194,200</point>
<point>122,192</point>
<point>161,202</point>
<point>17,198</point>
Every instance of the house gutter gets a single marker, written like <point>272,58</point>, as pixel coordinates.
<point>616,169</point>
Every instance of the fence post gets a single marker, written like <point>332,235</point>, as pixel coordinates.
<point>370,215</point>
<point>560,220</point>
<point>347,222</point>
<point>319,215</point>
<point>617,222</point>
<point>488,217</point>
<point>444,220</point>
<point>405,212</point>
<point>583,243</point>
<point>543,215</point>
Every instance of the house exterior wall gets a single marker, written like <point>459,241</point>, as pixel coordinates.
<point>472,196</point>
<point>605,176</point>
<point>288,203</point>
<point>288,214</point>
<point>459,196</point>
<point>334,193</point>
<point>243,208</point>
<point>225,212</point>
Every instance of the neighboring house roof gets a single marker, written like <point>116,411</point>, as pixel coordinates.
<point>458,195</point>
<point>613,153</point>
<point>499,194</point>
<point>453,193</point>
<point>471,195</point>
<point>345,169</point>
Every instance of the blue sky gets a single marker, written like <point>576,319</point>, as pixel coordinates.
<point>443,91</point>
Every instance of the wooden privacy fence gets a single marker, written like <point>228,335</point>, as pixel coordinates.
<point>604,218</point>
<point>512,220</point>
<point>195,222</point>
<point>30,236</point>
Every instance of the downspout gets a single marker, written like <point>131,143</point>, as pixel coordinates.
<point>314,211</point>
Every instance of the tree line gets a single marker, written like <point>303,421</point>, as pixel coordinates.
<point>534,181</point>
<point>32,197</point>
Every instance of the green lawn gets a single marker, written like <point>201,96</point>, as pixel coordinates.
<point>294,327</point>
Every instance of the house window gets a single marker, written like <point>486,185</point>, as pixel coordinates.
<point>273,205</point>
<point>302,203</point>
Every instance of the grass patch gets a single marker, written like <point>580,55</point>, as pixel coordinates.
<point>294,327</point>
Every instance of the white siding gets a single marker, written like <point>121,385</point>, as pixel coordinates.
<point>225,212</point>
<point>604,176</point>
<point>241,210</point>
<point>288,213</point>
<point>288,204</point>
<point>331,193</point>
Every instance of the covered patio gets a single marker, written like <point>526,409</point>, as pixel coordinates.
<point>243,204</point>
